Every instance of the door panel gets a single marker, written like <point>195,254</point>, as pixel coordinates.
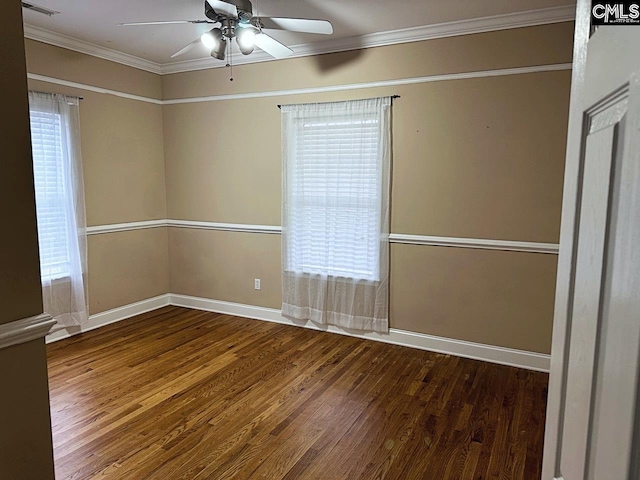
<point>587,299</point>
<point>593,420</point>
<point>615,392</point>
<point>604,343</point>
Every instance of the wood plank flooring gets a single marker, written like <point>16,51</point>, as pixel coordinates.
<point>183,394</point>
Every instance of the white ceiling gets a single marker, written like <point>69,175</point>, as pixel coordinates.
<point>95,21</point>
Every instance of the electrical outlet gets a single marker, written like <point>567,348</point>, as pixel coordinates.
<point>257,284</point>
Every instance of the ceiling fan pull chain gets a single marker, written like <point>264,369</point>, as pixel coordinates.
<point>230,64</point>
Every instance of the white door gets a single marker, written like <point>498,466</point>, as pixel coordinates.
<point>593,415</point>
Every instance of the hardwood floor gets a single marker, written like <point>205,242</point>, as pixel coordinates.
<point>183,394</point>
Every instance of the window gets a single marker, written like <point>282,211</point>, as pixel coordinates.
<point>51,192</point>
<point>335,193</point>
<point>335,213</point>
<point>59,192</point>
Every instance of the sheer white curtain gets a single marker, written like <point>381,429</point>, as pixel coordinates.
<point>335,213</point>
<point>59,188</point>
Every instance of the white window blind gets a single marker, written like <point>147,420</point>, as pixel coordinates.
<point>51,193</point>
<point>335,195</point>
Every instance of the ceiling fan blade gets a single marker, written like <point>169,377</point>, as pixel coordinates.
<point>224,8</point>
<point>186,48</point>
<point>272,46</point>
<point>162,22</point>
<point>303,25</point>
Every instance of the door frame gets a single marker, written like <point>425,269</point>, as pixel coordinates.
<point>567,253</point>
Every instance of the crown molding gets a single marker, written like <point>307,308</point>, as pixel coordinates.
<point>393,37</point>
<point>71,43</point>
<point>379,39</point>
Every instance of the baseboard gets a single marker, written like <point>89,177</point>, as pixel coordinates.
<point>110,316</point>
<point>477,351</point>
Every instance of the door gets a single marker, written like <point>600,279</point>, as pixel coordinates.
<point>593,410</point>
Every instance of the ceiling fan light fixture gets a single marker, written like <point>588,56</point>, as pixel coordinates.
<point>246,39</point>
<point>215,43</point>
<point>212,38</point>
<point>219,51</point>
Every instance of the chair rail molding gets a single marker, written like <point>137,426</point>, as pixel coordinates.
<point>25,330</point>
<point>459,242</point>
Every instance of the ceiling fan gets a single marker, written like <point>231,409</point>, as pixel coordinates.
<point>236,20</point>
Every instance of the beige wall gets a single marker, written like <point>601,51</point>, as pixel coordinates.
<point>473,158</point>
<point>123,163</point>
<point>126,267</point>
<point>520,47</point>
<point>216,172</point>
<point>481,158</point>
<point>63,64</point>
<point>484,296</point>
<point>25,425</point>
<point>222,265</point>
